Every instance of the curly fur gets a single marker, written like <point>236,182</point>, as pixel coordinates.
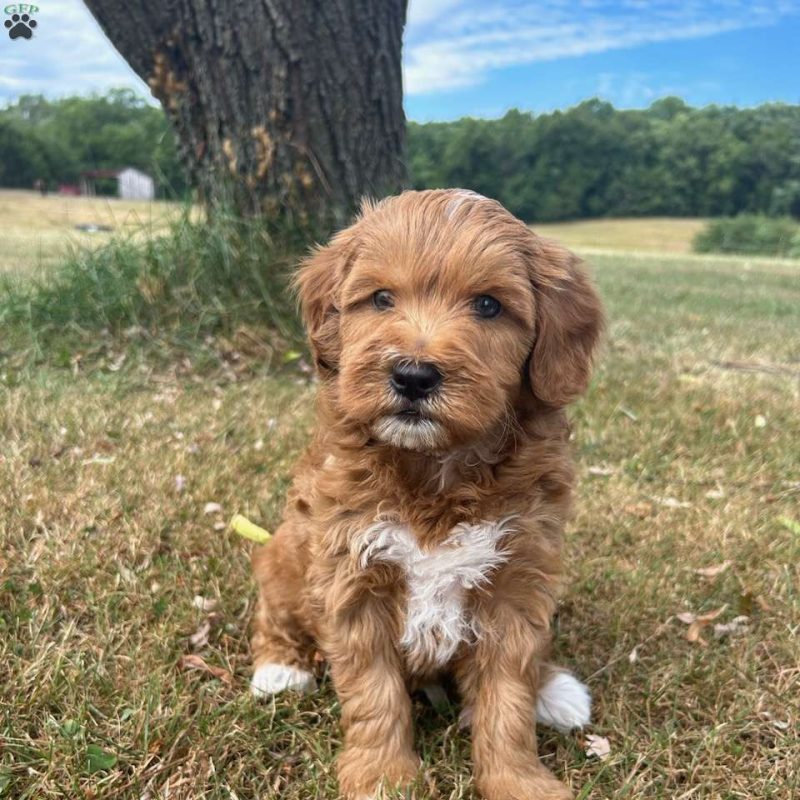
<point>412,547</point>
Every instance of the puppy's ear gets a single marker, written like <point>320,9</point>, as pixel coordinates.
<point>569,321</point>
<point>317,283</point>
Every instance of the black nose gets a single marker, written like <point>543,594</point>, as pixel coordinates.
<point>414,381</point>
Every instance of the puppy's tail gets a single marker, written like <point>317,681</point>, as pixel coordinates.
<point>564,702</point>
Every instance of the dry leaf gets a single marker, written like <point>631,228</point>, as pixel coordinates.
<point>696,624</point>
<point>672,502</point>
<point>597,746</point>
<point>640,510</point>
<point>199,639</point>
<point>736,625</point>
<point>602,472</point>
<point>197,662</point>
<point>712,571</point>
<point>212,508</point>
<point>204,604</point>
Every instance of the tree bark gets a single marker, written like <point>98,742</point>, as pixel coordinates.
<point>289,108</point>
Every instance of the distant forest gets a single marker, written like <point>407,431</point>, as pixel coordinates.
<point>590,161</point>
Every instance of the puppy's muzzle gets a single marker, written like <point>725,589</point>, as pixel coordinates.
<point>415,381</point>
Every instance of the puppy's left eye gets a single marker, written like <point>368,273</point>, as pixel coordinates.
<point>382,299</point>
<point>486,306</point>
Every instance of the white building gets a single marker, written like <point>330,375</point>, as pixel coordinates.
<point>131,184</point>
<point>135,185</point>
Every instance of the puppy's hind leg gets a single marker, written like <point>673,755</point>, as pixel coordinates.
<point>282,647</point>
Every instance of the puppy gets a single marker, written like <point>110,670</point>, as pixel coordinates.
<point>423,531</point>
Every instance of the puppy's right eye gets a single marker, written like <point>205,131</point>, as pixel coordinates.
<point>382,299</point>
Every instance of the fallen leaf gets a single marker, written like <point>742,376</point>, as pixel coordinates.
<point>597,746</point>
<point>641,510</point>
<point>696,624</point>
<point>672,502</point>
<point>712,571</point>
<point>760,421</point>
<point>204,603</point>
<point>126,573</point>
<point>736,625</point>
<point>633,656</point>
<point>212,508</point>
<point>99,760</point>
<point>602,472</point>
<point>192,662</point>
<point>199,639</point>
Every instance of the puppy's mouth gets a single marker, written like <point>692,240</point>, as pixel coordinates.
<point>410,428</point>
<point>411,415</point>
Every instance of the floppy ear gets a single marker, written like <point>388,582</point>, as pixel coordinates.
<point>317,282</point>
<point>569,321</point>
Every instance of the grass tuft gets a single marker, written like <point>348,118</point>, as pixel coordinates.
<point>192,280</point>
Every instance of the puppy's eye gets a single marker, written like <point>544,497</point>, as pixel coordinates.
<point>382,299</point>
<point>486,306</point>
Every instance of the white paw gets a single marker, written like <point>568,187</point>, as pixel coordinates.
<point>273,678</point>
<point>564,703</point>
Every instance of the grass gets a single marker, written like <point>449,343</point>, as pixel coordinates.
<point>687,445</point>
<point>650,234</point>
<point>204,288</point>
<point>38,231</point>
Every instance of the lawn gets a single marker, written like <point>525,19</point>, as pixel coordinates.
<point>38,231</point>
<point>115,567</point>
<point>650,235</point>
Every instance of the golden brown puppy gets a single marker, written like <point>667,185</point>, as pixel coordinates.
<point>423,531</point>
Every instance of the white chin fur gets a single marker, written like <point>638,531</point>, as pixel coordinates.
<point>273,678</point>
<point>409,434</point>
<point>564,703</point>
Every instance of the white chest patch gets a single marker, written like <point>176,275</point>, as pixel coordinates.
<point>437,620</point>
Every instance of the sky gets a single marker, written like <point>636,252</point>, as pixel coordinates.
<point>480,58</point>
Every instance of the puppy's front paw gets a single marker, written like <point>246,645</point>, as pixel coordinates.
<point>534,784</point>
<point>372,775</point>
<point>271,678</point>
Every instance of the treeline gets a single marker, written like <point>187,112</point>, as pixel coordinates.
<point>594,160</point>
<point>590,161</point>
<point>55,140</point>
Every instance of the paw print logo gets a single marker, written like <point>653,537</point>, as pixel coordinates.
<point>20,26</point>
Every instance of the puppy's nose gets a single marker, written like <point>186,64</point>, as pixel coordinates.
<point>415,381</point>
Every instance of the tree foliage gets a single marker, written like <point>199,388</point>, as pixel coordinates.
<point>594,160</point>
<point>751,234</point>
<point>56,140</point>
<point>590,161</point>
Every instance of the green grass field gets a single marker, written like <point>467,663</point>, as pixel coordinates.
<point>113,568</point>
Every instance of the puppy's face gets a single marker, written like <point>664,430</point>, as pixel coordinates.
<point>426,315</point>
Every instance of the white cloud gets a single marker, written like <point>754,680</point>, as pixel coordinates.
<point>449,43</point>
<point>461,44</point>
<point>68,54</point>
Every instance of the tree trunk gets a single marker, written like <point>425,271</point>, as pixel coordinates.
<point>290,108</point>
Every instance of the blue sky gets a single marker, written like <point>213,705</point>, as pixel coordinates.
<point>467,57</point>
